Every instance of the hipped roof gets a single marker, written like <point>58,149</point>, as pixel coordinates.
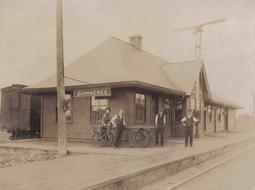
<point>114,61</point>
<point>117,62</point>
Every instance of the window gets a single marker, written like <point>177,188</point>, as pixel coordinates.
<point>167,110</point>
<point>209,111</point>
<point>140,108</point>
<point>179,105</point>
<point>68,107</point>
<point>192,103</point>
<point>68,103</point>
<point>179,110</point>
<point>98,106</point>
<point>219,114</point>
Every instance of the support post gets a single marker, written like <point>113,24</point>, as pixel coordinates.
<point>62,134</point>
<point>198,43</point>
<point>253,108</point>
<point>198,111</point>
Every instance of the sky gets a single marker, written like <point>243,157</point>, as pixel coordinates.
<point>28,37</point>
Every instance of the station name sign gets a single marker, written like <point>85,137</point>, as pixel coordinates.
<point>92,92</point>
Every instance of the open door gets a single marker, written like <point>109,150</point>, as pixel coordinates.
<point>35,115</point>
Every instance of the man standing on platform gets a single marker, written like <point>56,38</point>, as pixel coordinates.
<point>188,122</point>
<point>119,123</point>
<point>160,122</point>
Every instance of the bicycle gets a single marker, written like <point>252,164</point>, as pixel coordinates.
<point>106,138</point>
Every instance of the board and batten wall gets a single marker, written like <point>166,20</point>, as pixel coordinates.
<point>231,119</point>
<point>211,126</point>
<point>79,128</point>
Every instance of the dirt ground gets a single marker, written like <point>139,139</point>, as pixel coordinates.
<point>11,156</point>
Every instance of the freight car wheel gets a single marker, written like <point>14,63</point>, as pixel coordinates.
<point>141,138</point>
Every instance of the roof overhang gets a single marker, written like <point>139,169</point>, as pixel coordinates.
<point>222,104</point>
<point>111,85</point>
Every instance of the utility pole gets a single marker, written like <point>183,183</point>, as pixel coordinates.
<point>62,134</point>
<point>198,30</point>
<point>198,42</point>
<point>253,111</point>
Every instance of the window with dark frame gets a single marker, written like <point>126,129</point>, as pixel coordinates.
<point>209,110</point>
<point>98,106</point>
<point>68,108</point>
<point>140,107</point>
<point>167,110</point>
<point>219,114</point>
<point>179,110</point>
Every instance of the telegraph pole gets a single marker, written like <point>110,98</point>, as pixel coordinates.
<point>253,111</point>
<point>62,135</point>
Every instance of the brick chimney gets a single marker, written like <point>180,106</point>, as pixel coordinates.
<point>136,41</point>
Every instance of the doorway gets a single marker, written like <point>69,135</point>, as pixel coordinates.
<point>214,120</point>
<point>35,115</point>
<point>154,108</point>
<point>205,120</point>
<point>226,120</point>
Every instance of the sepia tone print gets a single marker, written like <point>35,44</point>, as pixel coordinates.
<point>127,95</point>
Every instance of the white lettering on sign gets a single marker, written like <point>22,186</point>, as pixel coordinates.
<point>92,92</point>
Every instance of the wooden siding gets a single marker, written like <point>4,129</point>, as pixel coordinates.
<point>231,119</point>
<point>122,98</point>
<point>80,127</point>
<point>15,109</point>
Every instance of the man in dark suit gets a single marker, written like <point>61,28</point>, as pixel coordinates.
<point>188,122</point>
<point>160,122</point>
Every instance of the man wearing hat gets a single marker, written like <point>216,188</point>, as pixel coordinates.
<point>160,122</point>
<point>106,120</point>
<point>188,122</point>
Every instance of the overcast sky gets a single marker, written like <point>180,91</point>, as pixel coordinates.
<point>27,37</point>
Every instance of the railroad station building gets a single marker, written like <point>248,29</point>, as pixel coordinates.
<point>122,75</point>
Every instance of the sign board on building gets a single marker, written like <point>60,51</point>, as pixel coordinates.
<point>92,92</point>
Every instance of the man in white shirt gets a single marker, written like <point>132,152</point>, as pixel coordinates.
<point>160,122</point>
<point>188,122</point>
<point>118,121</point>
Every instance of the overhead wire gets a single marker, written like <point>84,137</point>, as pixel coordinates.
<point>70,78</point>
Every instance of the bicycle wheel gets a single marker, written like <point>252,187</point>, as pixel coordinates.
<point>94,135</point>
<point>103,140</point>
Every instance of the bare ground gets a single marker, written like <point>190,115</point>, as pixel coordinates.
<point>12,156</point>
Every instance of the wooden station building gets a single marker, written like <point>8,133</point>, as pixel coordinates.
<point>122,75</point>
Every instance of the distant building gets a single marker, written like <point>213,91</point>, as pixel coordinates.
<point>245,120</point>
<point>123,76</point>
